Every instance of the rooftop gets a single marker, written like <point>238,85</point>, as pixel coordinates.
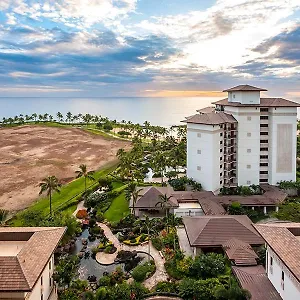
<point>284,243</point>
<point>255,280</point>
<point>264,102</point>
<point>29,252</point>
<point>212,118</point>
<point>245,88</point>
<point>206,231</point>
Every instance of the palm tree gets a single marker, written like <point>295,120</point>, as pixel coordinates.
<point>68,117</point>
<point>164,203</point>
<point>50,184</point>
<point>3,216</point>
<point>34,116</point>
<point>134,194</point>
<point>59,116</point>
<point>148,225</point>
<point>83,172</point>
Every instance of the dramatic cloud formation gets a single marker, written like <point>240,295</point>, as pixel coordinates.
<point>125,47</point>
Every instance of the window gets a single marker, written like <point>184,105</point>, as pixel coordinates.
<point>199,135</point>
<point>248,166</point>
<point>198,151</point>
<point>198,168</point>
<point>264,141</point>
<point>248,118</point>
<point>221,166</point>
<point>221,158</point>
<point>233,96</point>
<point>271,264</point>
<point>282,280</point>
<point>263,180</point>
<point>221,142</point>
<point>221,174</point>
<point>264,125</point>
<point>264,133</point>
<point>50,265</point>
<point>248,150</point>
<point>263,164</point>
<point>249,134</point>
<point>264,117</point>
<point>221,133</point>
<point>248,182</point>
<point>264,157</point>
<point>221,181</point>
<point>263,149</point>
<point>41,280</point>
<point>42,297</point>
<point>221,150</point>
<point>263,172</point>
<point>50,280</point>
<point>264,109</point>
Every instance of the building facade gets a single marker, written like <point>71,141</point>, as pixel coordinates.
<point>243,140</point>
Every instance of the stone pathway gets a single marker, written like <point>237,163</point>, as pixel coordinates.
<point>159,275</point>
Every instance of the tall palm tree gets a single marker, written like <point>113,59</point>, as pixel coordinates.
<point>134,194</point>
<point>83,172</point>
<point>3,216</point>
<point>164,203</point>
<point>49,185</point>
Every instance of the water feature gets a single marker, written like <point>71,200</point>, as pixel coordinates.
<point>88,265</point>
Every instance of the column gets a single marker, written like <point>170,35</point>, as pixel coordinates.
<point>276,208</point>
<point>265,210</point>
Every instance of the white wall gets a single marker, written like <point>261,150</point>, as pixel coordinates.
<point>245,142</point>
<point>278,117</point>
<point>244,97</point>
<point>45,288</point>
<point>291,289</point>
<point>209,159</point>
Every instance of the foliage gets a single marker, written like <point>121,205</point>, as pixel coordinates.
<point>289,211</point>
<point>166,287</point>
<point>81,214</point>
<point>143,271</point>
<point>3,216</point>
<point>180,184</point>
<point>157,243</point>
<point>261,252</point>
<point>242,190</point>
<point>286,185</point>
<point>136,241</point>
<point>66,270</point>
<point>237,209</point>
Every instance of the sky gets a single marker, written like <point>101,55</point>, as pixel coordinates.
<point>152,48</point>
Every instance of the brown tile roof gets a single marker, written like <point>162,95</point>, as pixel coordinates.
<point>255,280</point>
<point>211,118</point>
<point>264,102</point>
<point>245,88</point>
<point>215,230</point>
<point>271,196</point>
<point>11,275</point>
<point>32,258</point>
<point>150,196</point>
<point>283,243</point>
<point>239,252</point>
<point>205,110</point>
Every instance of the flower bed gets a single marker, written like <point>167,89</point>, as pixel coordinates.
<point>81,214</point>
<point>136,241</point>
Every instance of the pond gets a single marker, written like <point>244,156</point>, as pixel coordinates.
<point>89,266</point>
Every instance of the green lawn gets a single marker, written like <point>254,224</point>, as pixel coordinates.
<point>118,209</point>
<point>66,200</point>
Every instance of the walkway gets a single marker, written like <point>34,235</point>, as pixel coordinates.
<point>184,242</point>
<point>159,275</point>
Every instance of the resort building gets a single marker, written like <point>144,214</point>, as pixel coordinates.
<point>27,262</point>
<point>243,140</point>
<point>283,257</point>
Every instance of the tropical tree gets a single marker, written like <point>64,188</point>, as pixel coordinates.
<point>69,117</point>
<point>148,224</point>
<point>49,185</point>
<point>34,116</point>
<point>83,172</point>
<point>3,216</point>
<point>59,116</point>
<point>134,194</point>
<point>164,203</point>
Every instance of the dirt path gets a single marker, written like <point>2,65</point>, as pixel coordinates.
<point>30,153</point>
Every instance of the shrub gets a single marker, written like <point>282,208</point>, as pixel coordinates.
<point>99,216</point>
<point>104,281</point>
<point>157,243</point>
<point>166,287</point>
<point>92,222</point>
<point>124,133</point>
<point>95,250</point>
<point>81,214</point>
<point>108,249</point>
<point>141,272</point>
<point>107,127</point>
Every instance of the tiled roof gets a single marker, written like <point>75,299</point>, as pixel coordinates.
<point>245,88</point>
<point>272,196</point>
<point>150,196</point>
<point>211,118</point>
<point>28,264</point>
<point>215,230</point>
<point>11,275</point>
<point>239,252</point>
<point>285,244</point>
<point>255,280</point>
<point>264,102</point>
<point>205,110</point>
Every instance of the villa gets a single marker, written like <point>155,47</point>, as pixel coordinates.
<point>245,139</point>
<point>27,262</point>
<point>283,257</point>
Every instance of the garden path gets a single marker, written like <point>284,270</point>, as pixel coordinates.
<point>160,273</point>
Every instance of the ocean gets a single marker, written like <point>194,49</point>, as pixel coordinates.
<point>158,111</point>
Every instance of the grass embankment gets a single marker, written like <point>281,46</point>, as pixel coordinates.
<point>65,201</point>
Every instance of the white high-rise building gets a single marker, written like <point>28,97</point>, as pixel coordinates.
<point>243,140</point>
